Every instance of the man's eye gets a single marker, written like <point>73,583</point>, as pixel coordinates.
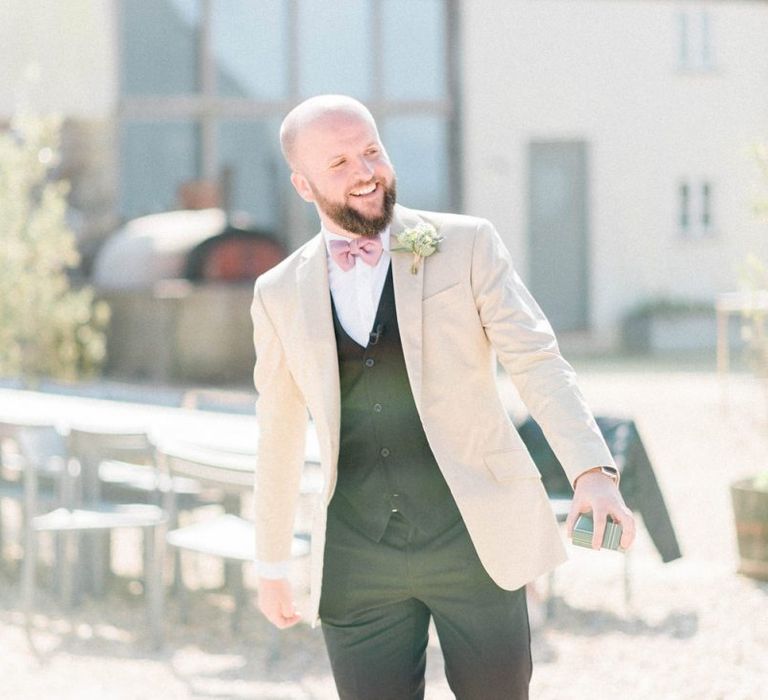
<point>337,163</point>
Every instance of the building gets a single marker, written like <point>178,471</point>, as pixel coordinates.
<point>610,141</point>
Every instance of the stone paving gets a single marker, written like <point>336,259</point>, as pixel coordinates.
<point>693,629</point>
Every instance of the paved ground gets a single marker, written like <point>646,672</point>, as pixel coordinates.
<point>694,628</point>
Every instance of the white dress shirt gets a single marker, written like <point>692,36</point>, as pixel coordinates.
<point>356,292</point>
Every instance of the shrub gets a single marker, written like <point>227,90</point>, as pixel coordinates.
<point>47,328</point>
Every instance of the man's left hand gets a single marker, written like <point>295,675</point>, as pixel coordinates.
<point>598,493</point>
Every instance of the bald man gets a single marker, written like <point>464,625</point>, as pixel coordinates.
<point>432,508</point>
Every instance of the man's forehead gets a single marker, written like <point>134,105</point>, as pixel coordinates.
<point>338,120</point>
<point>331,131</point>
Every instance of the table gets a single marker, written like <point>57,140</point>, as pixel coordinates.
<point>229,437</point>
<point>229,432</point>
<point>728,303</point>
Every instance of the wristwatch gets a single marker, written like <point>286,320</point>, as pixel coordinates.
<point>611,472</point>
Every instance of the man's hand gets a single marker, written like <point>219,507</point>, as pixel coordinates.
<point>276,602</point>
<point>596,492</point>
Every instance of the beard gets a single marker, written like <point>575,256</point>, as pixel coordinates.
<point>352,220</point>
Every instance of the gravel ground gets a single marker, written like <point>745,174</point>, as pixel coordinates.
<point>692,628</point>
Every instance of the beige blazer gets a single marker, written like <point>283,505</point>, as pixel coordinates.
<point>464,308</point>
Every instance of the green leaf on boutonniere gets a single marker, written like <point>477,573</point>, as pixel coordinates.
<point>422,241</point>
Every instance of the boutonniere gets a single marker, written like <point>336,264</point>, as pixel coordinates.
<point>422,240</point>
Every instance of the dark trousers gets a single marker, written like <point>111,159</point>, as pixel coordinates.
<point>377,600</point>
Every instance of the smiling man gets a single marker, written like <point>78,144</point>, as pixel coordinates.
<point>432,508</point>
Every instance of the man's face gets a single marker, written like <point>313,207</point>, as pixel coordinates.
<point>344,170</point>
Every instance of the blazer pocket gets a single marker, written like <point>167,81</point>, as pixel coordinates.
<point>509,465</point>
<point>452,294</point>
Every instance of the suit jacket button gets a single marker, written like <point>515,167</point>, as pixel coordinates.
<point>384,452</point>
<point>370,362</point>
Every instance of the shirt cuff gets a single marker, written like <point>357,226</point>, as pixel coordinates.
<point>272,569</point>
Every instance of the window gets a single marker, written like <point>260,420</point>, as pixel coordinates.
<point>695,209</point>
<point>205,83</point>
<point>685,206</point>
<point>695,51</point>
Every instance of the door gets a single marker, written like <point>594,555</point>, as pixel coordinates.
<point>558,232</point>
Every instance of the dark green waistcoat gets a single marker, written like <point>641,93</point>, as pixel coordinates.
<point>385,463</point>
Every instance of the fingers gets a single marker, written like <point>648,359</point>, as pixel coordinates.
<point>627,521</point>
<point>281,616</point>
<point>288,614</point>
<point>598,520</point>
<point>275,601</point>
<point>573,515</point>
<point>621,515</point>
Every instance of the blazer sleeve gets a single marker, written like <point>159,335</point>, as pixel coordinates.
<point>282,421</point>
<point>527,349</point>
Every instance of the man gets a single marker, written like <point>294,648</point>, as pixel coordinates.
<point>432,507</point>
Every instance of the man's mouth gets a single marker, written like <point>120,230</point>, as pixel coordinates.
<point>365,190</point>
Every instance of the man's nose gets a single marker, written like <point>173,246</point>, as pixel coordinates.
<point>364,169</point>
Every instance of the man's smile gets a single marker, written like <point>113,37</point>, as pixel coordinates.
<point>364,190</point>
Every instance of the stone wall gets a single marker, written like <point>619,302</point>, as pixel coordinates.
<point>178,332</point>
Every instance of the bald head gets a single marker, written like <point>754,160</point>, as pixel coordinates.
<point>313,111</point>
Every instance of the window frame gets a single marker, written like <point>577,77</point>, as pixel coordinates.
<point>207,108</point>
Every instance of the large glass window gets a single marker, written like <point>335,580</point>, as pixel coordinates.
<point>418,148</point>
<point>252,170</point>
<point>156,158</point>
<point>415,67</point>
<point>250,48</point>
<point>160,46</point>
<point>335,48</point>
<point>205,84</point>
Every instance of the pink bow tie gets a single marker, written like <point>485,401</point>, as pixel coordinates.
<point>343,252</point>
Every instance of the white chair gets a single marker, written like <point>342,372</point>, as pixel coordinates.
<point>86,513</point>
<point>228,535</point>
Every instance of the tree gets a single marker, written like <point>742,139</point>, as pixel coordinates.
<point>47,328</point>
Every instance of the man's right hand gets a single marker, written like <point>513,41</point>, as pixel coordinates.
<point>276,602</point>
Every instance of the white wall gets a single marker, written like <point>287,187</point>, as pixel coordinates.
<point>58,56</point>
<point>606,71</point>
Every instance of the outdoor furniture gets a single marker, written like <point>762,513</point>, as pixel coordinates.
<point>118,466</point>
<point>741,304</point>
<point>115,466</point>
<point>638,486</point>
<point>227,536</point>
<point>45,450</point>
<point>85,513</point>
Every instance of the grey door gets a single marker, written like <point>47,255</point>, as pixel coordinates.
<point>558,231</point>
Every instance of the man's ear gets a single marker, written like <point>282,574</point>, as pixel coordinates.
<point>301,185</point>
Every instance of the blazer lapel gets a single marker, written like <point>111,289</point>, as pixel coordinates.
<point>408,295</point>
<point>317,325</point>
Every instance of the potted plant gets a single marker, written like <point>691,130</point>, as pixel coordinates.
<point>750,508</point>
<point>750,495</point>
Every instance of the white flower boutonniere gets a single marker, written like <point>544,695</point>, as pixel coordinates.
<point>422,240</point>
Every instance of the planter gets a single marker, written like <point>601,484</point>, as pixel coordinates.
<point>750,509</point>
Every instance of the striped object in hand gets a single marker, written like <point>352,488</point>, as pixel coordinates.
<point>584,527</point>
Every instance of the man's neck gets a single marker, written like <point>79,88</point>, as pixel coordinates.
<point>332,227</point>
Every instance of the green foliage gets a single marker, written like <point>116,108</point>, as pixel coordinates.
<point>761,158</point>
<point>754,327</point>
<point>46,327</point>
<point>668,307</point>
<point>754,279</point>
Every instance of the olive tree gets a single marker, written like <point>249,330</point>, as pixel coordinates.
<point>47,327</point>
